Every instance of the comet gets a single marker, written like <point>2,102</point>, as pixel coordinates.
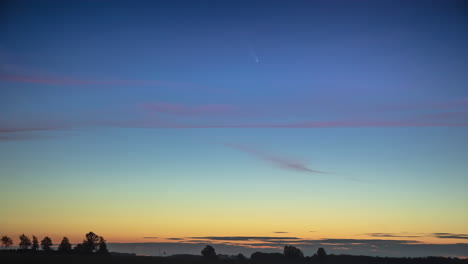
<point>254,56</point>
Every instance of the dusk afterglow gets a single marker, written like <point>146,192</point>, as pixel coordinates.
<point>247,125</point>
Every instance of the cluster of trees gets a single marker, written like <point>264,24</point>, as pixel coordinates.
<point>91,244</point>
<point>289,253</point>
<point>209,252</point>
<point>294,255</point>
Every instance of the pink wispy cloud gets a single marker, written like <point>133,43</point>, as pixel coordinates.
<point>11,72</point>
<point>173,116</point>
<point>160,124</point>
<point>311,124</point>
<point>9,128</point>
<point>22,136</point>
<point>70,81</point>
<point>282,162</point>
<point>9,131</point>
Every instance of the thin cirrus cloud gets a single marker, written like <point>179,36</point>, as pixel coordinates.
<point>281,162</point>
<point>245,238</point>
<point>330,124</point>
<point>437,235</point>
<point>338,241</point>
<point>392,235</point>
<point>450,235</point>
<point>436,117</point>
<point>70,81</point>
<point>26,131</point>
<point>177,117</point>
<point>157,124</point>
<point>21,137</point>
<point>186,110</point>
<point>312,124</point>
<point>13,73</point>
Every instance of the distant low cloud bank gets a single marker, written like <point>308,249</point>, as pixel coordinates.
<point>451,235</point>
<point>245,238</point>
<point>392,235</point>
<point>370,247</point>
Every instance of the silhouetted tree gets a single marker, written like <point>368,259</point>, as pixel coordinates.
<point>240,256</point>
<point>102,246</point>
<point>25,242</point>
<point>321,254</point>
<point>35,243</point>
<point>292,252</point>
<point>91,242</point>
<point>65,246</point>
<point>79,249</point>
<point>209,252</point>
<point>46,244</point>
<point>6,242</point>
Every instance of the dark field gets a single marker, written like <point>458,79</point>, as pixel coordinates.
<point>14,257</point>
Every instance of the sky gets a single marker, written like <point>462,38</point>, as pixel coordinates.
<point>169,125</point>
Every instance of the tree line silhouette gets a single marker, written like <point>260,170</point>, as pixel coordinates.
<point>92,244</point>
<point>290,253</point>
<point>93,250</point>
<point>294,255</point>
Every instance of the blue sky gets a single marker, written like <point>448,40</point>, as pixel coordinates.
<point>163,107</point>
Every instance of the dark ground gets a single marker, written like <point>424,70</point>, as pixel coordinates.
<point>14,257</point>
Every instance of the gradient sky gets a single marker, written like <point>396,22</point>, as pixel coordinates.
<point>182,119</point>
